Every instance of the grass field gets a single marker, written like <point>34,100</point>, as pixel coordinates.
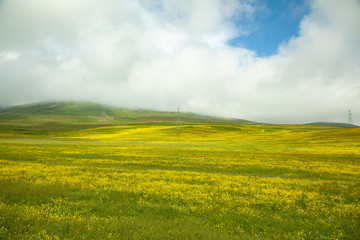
<point>208,181</point>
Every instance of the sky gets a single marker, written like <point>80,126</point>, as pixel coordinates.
<point>275,22</point>
<point>283,61</point>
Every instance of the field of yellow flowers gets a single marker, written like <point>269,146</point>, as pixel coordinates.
<point>205,181</point>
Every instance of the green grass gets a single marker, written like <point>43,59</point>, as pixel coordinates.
<point>40,118</point>
<point>83,180</point>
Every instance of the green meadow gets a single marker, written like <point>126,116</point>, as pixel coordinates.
<point>119,174</point>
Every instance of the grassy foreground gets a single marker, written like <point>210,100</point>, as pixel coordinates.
<point>209,181</point>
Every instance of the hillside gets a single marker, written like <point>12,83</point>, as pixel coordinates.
<point>84,171</point>
<point>334,124</point>
<point>59,116</point>
<point>147,181</point>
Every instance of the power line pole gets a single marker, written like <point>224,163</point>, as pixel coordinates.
<point>350,120</point>
<point>178,120</point>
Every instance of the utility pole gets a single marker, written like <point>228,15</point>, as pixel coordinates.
<point>178,120</point>
<point>350,120</point>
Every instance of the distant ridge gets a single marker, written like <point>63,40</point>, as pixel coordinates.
<point>58,116</point>
<point>334,124</point>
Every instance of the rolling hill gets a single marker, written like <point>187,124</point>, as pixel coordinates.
<point>62,116</point>
<point>43,117</point>
<point>71,170</point>
<point>334,124</point>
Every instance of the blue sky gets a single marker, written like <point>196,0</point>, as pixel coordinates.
<point>275,22</point>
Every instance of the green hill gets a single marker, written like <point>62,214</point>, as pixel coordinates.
<point>62,116</point>
<point>334,124</point>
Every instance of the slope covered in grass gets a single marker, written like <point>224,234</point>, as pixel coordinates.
<point>59,116</point>
<point>334,124</point>
<point>207,181</point>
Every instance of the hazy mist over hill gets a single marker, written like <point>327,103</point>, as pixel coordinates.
<point>160,54</point>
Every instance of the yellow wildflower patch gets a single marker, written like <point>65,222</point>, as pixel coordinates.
<point>205,181</point>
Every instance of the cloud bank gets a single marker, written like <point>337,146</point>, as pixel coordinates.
<point>160,54</point>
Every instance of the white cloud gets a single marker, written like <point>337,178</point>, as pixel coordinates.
<point>8,57</point>
<point>160,54</point>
